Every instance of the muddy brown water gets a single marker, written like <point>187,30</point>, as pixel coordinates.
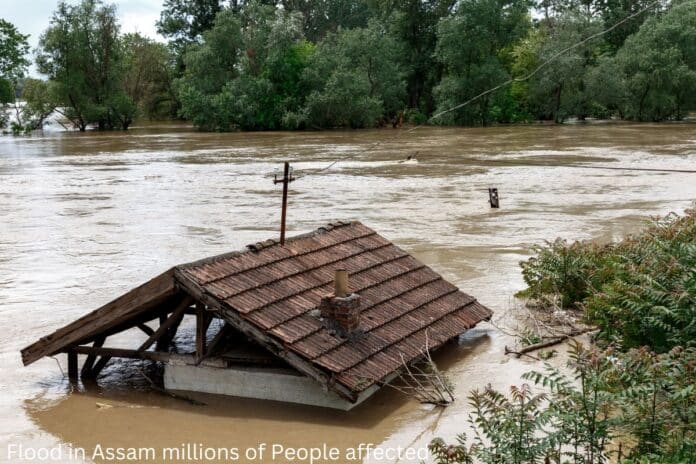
<point>86,217</point>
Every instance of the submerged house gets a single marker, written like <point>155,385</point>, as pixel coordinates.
<point>325,319</point>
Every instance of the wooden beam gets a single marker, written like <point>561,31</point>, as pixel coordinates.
<point>121,353</point>
<point>111,314</point>
<point>274,346</point>
<point>72,366</point>
<point>217,339</point>
<point>202,322</point>
<point>99,366</point>
<point>174,319</point>
<point>147,329</point>
<point>89,362</point>
<point>162,309</point>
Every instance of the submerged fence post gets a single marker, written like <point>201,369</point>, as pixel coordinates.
<point>493,197</point>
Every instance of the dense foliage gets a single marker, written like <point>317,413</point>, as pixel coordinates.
<point>13,64</point>
<point>412,60</point>
<point>293,64</point>
<point>634,407</point>
<point>633,401</point>
<point>639,291</point>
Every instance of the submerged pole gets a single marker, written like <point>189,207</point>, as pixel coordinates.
<point>287,178</point>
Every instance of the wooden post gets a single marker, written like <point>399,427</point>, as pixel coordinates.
<point>171,323</point>
<point>72,366</point>
<point>202,322</point>
<point>86,371</point>
<point>287,178</point>
<point>99,366</point>
<point>341,283</point>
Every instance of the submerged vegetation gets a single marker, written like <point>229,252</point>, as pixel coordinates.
<point>640,291</point>
<point>286,64</point>
<point>631,396</point>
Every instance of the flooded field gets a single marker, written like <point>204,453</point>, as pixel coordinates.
<point>86,217</point>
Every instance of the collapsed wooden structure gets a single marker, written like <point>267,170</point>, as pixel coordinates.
<point>268,297</point>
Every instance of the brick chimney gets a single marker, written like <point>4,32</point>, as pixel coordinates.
<point>342,309</point>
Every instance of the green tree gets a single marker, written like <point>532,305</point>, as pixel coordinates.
<point>13,64</point>
<point>612,12</point>
<point>13,52</point>
<point>473,46</point>
<point>246,73</point>
<point>39,103</point>
<point>319,17</point>
<point>82,54</point>
<point>558,90</point>
<point>414,23</point>
<point>183,22</point>
<point>357,79</point>
<point>148,76</point>
<point>659,62</point>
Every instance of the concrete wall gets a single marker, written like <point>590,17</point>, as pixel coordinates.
<point>253,382</point>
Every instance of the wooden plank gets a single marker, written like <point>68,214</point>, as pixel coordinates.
<point>217,339</point>
<point>111,314</point>
<point>99,366</point>
<point>89,362</point>
<point>273,345</point>
<point>121,353</point>
<point>175,318</point>
<point>147,329</point>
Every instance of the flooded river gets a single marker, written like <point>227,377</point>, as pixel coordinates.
<point>86,217</point>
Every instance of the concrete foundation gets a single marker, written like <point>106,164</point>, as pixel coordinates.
<point>254,382</point>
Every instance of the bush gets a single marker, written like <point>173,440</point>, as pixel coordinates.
<point>640,291</point>
<point>638,402</point>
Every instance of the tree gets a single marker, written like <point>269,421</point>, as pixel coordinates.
<point>39,103</point>
<point>185,21</point>
<point>613,11</point>
<point>471,46</point>
<point>148,76</point>
<point>415,23</point>
<point>319,17</point>
<point>13,64</point>
<point>13,52</point>
<point>246,72</point>
<point>659,62</point>
<point>558,90</point>
<point>82,54</point>
<point>356,79</point>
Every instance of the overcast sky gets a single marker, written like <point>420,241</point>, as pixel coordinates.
<point>32,16</point>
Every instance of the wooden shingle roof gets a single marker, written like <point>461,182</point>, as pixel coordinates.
<point>275,288</point>
<point>270,292</point>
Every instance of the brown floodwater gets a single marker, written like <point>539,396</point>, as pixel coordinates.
<point>86,217</point>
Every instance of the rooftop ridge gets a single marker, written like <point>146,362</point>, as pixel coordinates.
<point>265,244</point>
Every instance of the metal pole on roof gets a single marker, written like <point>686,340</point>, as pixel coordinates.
<point>287,178</point>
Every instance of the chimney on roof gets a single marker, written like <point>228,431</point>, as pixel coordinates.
<point>342,309</point>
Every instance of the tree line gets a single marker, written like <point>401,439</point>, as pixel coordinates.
<point>310,64</point>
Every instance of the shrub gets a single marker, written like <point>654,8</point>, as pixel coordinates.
<point>641,403</point>
<point>640,291</point>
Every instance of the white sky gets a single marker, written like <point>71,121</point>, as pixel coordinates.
<point>32,16</point>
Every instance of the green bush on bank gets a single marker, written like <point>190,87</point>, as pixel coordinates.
<point>633,401</point>
<point>634,407</point>
<point>640,291</point>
